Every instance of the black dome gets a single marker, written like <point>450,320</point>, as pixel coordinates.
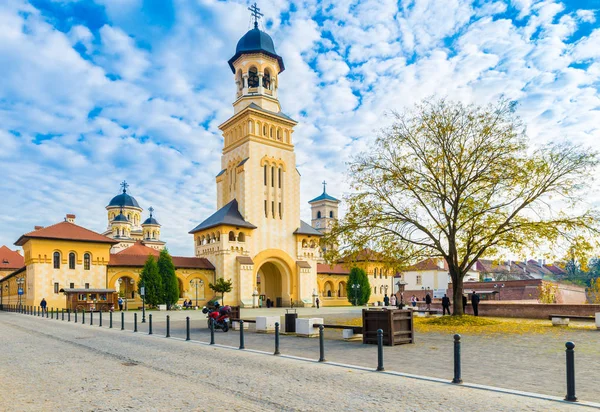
<point>120,218</point>
<point>151,221</point>
<point>124,200</point>
<point>256,41</point>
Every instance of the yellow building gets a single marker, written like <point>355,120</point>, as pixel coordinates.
<point>256,238</point>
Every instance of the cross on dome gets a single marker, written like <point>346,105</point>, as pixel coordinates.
<point>324,185</point>
<point>255,12</point>
<point>124,185</point>
<point>150,209</point>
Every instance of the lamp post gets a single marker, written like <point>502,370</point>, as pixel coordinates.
<point>20,282</point>
<point>195,283</point>
<point>143,295</point>
<point>401,285</point>
<point>355,287</point>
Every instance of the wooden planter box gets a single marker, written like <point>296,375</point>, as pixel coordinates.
<point>397,326</point>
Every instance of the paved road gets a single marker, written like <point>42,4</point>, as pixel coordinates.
<point>54,365</point>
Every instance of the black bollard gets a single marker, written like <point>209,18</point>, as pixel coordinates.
<point>38,311</point>
<point>68,315</point>
<point>242,343</point>
<point>212,332</point>
<point>276,339</point>
<point>75,315</point>
<point>135,322</point>
<point>380,350</point>
<point>91,317</point>
<point>122,320</point>
<point>56,314</point>
<point>570,372</point>
<point>100,321</point>
<point>321,343</point>
<point>168,326</point>
<point>187,328</point>
<point>150,324</point>
<point>83,316</point>
<point>51,313</point>
<point>62,314</point>
<point>47,314</point>
<point>110,320</point>
<point>457,378</point>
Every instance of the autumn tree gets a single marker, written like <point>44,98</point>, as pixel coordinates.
<point>460,182</point>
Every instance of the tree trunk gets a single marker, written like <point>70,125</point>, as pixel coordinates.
<point>457,293</point>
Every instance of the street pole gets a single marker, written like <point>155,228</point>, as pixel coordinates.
<point>196,293</point>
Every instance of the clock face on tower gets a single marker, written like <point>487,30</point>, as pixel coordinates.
<point>318,224</point>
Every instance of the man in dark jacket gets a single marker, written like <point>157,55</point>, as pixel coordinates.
<point>475,303</point>
<point>386,300</point>
<point>446,304</point>
<point>43,305</point>
<point>428,301</point>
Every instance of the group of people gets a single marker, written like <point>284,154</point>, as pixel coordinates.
<point>187,304</point>
<point>474,303</point>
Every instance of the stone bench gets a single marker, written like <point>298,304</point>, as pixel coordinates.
<point>266,324</point>
<point>306,326</point>
<point>560,321</point>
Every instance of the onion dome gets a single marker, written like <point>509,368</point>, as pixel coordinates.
<point>151,220</point>
<point>124,199</point>
<point>256,41</point>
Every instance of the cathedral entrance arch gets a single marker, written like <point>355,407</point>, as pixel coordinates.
<point>273,282</point>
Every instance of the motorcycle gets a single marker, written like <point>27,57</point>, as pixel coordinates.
<point>219,317</point>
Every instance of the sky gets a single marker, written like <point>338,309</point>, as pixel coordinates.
<point>96,92</point>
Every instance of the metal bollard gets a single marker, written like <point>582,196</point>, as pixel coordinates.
<point>91,317</point>
<point>321,343</point>
<point>68,315</point>
<point>187,328</point>
<point>122,320</point>
<point>570,372</point>
<point>100,321</point>
<point>51,313</point>
<point>62,314</point>
<point>56,314</point>
<point>457,378</point>
<point>150,324</point>
<point>242,343</point>
<point>212,332</point>
<point>276,339</point>
<point>110,320</point>
<point>380,350</point>
<point>75,315</point>
<point>47,314</point>
<point>168,326</point>
<point>83,316</point>
<point>135,322</point>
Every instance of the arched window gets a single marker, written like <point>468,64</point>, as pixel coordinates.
<point>264,130</point>
<point>56,260</point>
<point>253,77</point>
<point>231,236</point>
<point>375,273</point>
<point>71,260</point>
<point>86,261</point>
<point>265,173</point>
<point>304,243</point>
<point>279,180</point>
<point>267,79</point>
<point>272,176</point>
<point>241,237</point>
<point>319,215</point>
<point>331,214</point>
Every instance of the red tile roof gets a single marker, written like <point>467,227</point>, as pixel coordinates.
<point>65,231</point>
<point>137,254</point>
<point>9,259</point>
<point>337,269</point>
<point>364,255</point>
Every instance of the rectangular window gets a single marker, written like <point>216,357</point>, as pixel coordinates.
<point>272,176</point>
<point>279,178</point>
<point>265,171</point>
<point>419,280</point>
<point>72,285</point>
<point>87,285</point>
<point>280,214</point>
<point>56,287</point>
<point>266,212</point>
<point>273,208</point>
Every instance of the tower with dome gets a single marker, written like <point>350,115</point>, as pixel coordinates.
<point>125,223</point>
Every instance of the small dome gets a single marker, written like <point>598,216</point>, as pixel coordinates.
<point>121,218</point>
<point>256,41</point>
<point>150,221</point>
<point>124,200</point>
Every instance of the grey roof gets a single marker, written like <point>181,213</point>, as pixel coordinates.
<point>303,264</point>
<point>324,196</point>
<point>124,200</point>
<point>151,221</point>
<point>306,229</point>
<point>244,260</point>
<point>256,41</point>
<point>227,215</point>
<point>278,114</point>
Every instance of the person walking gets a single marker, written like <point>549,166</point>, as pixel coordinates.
<point>386,300</point>
<point>317,301</point>
<point>120,302</point>
<point>428,301</point>
<point>393,300</point>
<point>446,304</point>
<point>464,301</point>
<point>268,303</point>
<point>475,303</point>
<point>43,305</point>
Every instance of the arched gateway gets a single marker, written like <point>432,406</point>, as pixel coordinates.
<point>273,282</point>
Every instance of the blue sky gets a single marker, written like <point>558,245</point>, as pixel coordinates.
<point>95,92</point>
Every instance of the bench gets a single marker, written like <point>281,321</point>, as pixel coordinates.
<point>347,330</point>
<point>574,317</point>
<point>425,312</point>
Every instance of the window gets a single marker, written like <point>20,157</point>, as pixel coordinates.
<point>56,287</point>
<point>231,236</point>
<point>279,170</point>
<point>87,285</point>
<point>419,280</point>
<point>86,261</point>
<point>267,80</point>
<point>272,176</point>
<point>71,260</point>
<point>265,174</point>
<point>273,208</point>
<point>280,214</point>
<point>72,285</point>
<point>319,215</point>
<point>56,260</point>
<point>253,77</point>
<point>375,273</point>
<point>266,213</point>
<point>331,214</point>
<point>241,237</point>
<point>82,297</point>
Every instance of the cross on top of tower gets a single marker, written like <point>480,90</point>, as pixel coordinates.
<point>124,185</point>
<point>255,12</point>
<point>150,209</point>
<point>324,184</point>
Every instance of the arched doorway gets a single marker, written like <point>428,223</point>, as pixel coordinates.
<point>272,282</point>
<point>328,289</point>
<point>126,287</point>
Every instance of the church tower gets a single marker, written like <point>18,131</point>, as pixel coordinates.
<point>255,238</point>
<point>324,211</point>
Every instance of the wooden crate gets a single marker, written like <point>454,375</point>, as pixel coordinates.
<point>397,326</point>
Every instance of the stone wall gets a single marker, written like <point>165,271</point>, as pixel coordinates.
<point>527,310</point>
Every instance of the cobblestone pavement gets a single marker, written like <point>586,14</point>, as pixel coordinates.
<point>53,365</point>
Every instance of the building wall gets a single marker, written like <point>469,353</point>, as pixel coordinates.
<point>528,310</point>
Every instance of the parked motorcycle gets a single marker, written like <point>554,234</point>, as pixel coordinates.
<point>219,317</point>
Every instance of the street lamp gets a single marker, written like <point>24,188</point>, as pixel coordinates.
<point>401,285</point>
<point>195,283</point>
<point>355,287</point>
<point>20,282</point>
<point>143,295</point>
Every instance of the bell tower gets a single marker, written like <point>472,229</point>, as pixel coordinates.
<point>324,211</point>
